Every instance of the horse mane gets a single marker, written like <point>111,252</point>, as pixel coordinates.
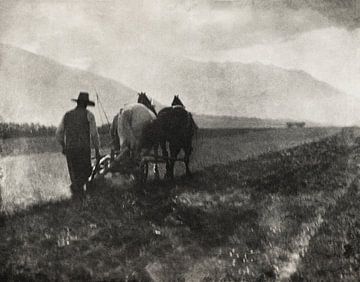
<point>177,103</point>
<point>144,99</point>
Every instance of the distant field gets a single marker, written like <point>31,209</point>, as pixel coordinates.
<point>34,171</point>
<point>29,145</point>
<point>223,146</point>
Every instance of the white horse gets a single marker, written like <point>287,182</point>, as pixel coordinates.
<point>132,119</point>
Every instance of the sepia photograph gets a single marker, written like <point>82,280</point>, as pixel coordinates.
<point>179,140</point>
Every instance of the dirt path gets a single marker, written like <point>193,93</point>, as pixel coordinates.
<point>334,252</point>
<point>301,242</point>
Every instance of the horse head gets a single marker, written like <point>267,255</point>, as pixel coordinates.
<point>177,102</point>
<point>144,99</point>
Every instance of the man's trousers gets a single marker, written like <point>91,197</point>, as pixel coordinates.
<point>79,165</point>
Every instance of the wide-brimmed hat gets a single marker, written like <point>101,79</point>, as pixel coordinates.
<point>84,97</point>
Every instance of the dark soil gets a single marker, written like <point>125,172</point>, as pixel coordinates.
<point>232,222</point>
<point>334,252</point>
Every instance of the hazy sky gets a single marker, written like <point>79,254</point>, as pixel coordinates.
<point>320,37</point>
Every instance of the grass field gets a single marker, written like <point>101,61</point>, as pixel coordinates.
<point>259,208</point>
<point>31,179</point>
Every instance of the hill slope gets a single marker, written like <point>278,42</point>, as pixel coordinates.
<point>252,90</point>
<point>37,89</point>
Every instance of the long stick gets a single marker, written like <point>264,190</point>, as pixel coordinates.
<point>102,108</point>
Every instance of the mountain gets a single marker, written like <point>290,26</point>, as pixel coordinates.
<point>37,89</point>
<point>250,90</point>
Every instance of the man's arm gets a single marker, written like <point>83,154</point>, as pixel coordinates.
<point>94,135</point>
<point>60,133</point>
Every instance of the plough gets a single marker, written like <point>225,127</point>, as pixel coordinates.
<point>111,163</point>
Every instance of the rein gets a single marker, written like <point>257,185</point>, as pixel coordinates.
<point>103,110</point>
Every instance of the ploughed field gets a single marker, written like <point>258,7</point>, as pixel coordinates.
<point>32,170</point>
<point>263,205</point>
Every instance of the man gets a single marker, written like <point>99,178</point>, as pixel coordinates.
<point>76,129</point>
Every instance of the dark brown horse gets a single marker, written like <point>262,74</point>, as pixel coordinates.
<point>175,126</point>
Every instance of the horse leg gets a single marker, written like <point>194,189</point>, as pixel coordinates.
<point>156,172</point>
<point>163,149</point>
<point>187,151</point>
<point>165,154</point>
<point>156,167</point>
<point>174,151</point>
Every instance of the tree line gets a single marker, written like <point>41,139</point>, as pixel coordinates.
<point>15,130</point>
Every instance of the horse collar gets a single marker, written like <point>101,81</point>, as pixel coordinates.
<point>178,106</point>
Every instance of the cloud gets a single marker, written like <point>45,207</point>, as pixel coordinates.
<point>183,27</point>
<point>331,55</point>
<point>113,38</point>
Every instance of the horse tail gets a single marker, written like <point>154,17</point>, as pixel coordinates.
<point>113,126</point>
<point>114,133</point>
<point>125,131</point>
